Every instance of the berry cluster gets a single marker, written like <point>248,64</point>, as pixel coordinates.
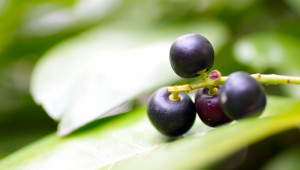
<point>172,112</point>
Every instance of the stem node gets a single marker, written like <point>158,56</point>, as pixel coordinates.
<point>215,75</point>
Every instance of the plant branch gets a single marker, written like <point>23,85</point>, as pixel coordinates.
<point>212,81</point>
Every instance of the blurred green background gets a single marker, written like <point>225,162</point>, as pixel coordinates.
<point>263,36</point>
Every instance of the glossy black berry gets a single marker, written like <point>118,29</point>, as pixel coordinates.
<point>171,118</point>
<point>209,109</point>
<point>190,54</point>
<point>242,96</point>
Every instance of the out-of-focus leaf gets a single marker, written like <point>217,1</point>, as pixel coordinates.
<point>22,126</point>
<point>287,160</point>
<point>12,14</point>
<point>129,141</point>
<point>86,77</point>
<point>51,18</point>
<point>295,5</point>
<point>239,5</point>
<point>268,50</point>
<point>34,19</point>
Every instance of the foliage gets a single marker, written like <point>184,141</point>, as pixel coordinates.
<point>118,54</point>
<point>130,142</point>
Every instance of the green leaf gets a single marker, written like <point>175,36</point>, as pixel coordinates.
<point>288,160</point>
<point>129,141</point>
<point>265,50</point>
<point>86,77</point>
<point>295,5</point>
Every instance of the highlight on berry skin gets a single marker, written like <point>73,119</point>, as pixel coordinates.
<point>190,54</point>
<point>242,96</point>
<point>171,118</point>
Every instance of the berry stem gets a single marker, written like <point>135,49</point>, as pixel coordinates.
<point>213,90</point>
<point>203,74</point>
<point>213,80</point>
<point>174,97</point>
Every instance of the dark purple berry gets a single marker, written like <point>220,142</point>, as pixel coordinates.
<point>209,109</point>
<point>242,96</point>
<point>190,54</point>
<point>171,118</point>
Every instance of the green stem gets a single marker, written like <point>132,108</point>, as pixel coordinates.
<point>275,79</point>
<point>261,78</point>
<point>203,74</point>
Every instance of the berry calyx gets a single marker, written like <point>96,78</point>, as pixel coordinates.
<point>171,118</point>
<point>190,54</point>
<point>209,109</point>
<point>241,96</point>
